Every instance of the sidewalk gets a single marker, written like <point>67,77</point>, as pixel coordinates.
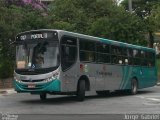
<point>7,91</point>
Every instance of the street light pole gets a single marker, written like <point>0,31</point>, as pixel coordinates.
<point>130,5</point>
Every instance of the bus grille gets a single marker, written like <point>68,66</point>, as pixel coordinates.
<point>39,80</point>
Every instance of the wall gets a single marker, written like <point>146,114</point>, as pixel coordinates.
<point>6,83</point>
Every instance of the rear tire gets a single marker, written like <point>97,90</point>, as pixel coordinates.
<point>134,87</point>
<point>81,90</point>
<point>43,96</point>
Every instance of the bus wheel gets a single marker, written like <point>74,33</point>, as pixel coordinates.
<point>134,86</point>
<point>81,90</point>
<point>43,96</point>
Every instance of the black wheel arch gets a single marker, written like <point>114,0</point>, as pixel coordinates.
<point>87,82</point>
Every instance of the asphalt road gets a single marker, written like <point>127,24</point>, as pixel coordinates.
<point>147,101</point>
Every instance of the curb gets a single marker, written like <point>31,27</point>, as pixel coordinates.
<point>7,91</point>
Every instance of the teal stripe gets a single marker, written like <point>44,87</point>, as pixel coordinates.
<point>127,78</point>
<point>126,71</point>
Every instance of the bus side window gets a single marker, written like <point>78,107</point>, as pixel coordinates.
<point>68,52</point>
<point>116,56</point>
<point>103,53</point>
<point>150,59</point>
<point>143,58</point>
<point>87,50</point>
<point>130,56</point>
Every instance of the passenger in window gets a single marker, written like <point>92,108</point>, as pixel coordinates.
<point>39,60</point>
<point>91,57</point>
<point>38,54</point>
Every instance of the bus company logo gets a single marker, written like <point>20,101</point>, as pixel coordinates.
<point>33,66</point>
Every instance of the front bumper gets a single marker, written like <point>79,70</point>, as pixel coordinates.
<point>53,86</point>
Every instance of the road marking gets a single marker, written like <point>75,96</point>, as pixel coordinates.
<point>153,99</point>
<point>149,98</point>
<point>7,92</point>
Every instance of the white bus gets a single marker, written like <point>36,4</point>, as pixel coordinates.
<point>61,62</point>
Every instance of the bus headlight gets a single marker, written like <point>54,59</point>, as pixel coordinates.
<point>17,79</point>
<point>54,76</point>
<point>49,79</point>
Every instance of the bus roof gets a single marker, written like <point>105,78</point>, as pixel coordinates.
<point>104,40</point>
<point>83,36</point>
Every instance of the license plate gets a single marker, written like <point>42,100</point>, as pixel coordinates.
<point>31,86</point>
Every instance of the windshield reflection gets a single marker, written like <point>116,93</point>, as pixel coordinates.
<point>37,55</point>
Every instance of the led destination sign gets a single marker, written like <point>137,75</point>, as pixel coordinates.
<point>34,36</point>
<point>37,35</point>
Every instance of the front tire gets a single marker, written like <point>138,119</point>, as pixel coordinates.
<point>43,96</point>
<point>81,90</point>
<point>134,87</point>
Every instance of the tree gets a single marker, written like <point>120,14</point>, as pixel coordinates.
<point>126,28</point>
<point>101,18</point>
<point>13,20</point>
<point>145,9</point>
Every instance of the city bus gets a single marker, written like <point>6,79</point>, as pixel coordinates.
<point>50,61</point>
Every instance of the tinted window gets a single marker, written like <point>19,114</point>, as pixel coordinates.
<point>136,57</point>
<point>103,48</point>
<point>116,57</point>
<point>68,52</point>
<point>144,61</point>
<point>69,41</point>
<point>116,50</point>
<point>136,53</point>
<point>103,51</point>
<point>87,50</point>
<point>87,45</point>
<point>151,59</point>
<point>87,56</point>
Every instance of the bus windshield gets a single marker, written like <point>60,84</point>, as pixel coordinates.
<point>37,55</point>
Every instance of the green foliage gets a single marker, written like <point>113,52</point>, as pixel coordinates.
<point>148,11</point>
<point>13,20</point>
<point>123,27</point>
<point>101,18</point>
<point>6,69</point>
